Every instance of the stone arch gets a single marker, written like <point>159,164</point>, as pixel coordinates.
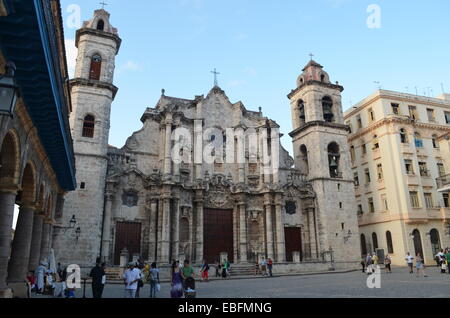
<point>101,25</point>
<point>417,238</point>
<point>389,242</point>
<point>327,107</point>
<point>95,68</point>
<point>88,129</point>
<point>28,192</point>
<point>435,241</point>
<point>10,159</point>
<point>375,241</point>
<point>304,161</point>
<point>301,111</point>
<point>334,157</point>
<point>363,245</point>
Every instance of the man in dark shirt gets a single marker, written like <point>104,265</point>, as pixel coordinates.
<point>97,274</point>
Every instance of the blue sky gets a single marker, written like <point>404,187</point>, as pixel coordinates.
<point>260,47</point>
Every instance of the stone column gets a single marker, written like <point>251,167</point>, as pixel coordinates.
<point>281,250</point>
<point>153,230</point>
<point>106,241</point>
<point>199,234</point>
<point>242,232</point>
<point>167,148</point>
<point>7,201</point>
<point>198,148</point>
<point>165,232</point>
<point>176,231</point>
<point>36,241</point>
<point>275,155</point>
<point>160,229</point>
<point>20,256</point>
<point>269,230</point>
<point>46,235</point>
<point>191,235</point>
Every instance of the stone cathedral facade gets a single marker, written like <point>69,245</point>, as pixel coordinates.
<point>140,202</point>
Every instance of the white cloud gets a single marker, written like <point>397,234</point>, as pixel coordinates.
<point>71,55</point>
<point>236,83</point>
<point>131,66</point>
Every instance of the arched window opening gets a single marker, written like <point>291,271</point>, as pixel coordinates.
<point>390,244</point>
<point>352,153</point>
<point>403,136</point>
<point>304,163</point>
<point>101,25</point>
<point>363,245</point>
<point>88,126</point>
<point>301,111</point>
<point>322,78</point>
<point>334,159</point>
<point>375,241</point>
<point>96,67</point>
<point>417,242</point>
<point>327,105</point>
<point>9,160</point>
<point>435,241</point>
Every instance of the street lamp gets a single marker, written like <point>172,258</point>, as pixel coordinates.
<point>8,90</point>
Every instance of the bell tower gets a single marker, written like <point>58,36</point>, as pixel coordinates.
<point>322,154</point>
<point>92,93</point>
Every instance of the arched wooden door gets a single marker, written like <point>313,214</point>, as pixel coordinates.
<point>418,243</point>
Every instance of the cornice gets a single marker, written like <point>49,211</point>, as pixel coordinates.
<point>94,83</point>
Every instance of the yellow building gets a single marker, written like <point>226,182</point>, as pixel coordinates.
<point>398,153</point>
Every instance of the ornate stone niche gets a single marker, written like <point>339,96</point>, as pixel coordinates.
<point>291,207</point>
<point>130,198</point>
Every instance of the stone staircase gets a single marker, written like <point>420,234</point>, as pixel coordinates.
<point>114,275</point>
<point>242,270</point>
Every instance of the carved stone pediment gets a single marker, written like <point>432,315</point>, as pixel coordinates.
<point>130,198</point>
<point>218,193</point>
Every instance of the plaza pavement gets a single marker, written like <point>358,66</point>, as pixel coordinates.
<point>399,284</point>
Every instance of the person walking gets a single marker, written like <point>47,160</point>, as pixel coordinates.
<point>97,274</point>
<point>263,267</point>
<point>131,278</point>
<point>387,263</point>
<point>410,261</point>
<point>439,258</point>
<point>154,280</point>
<point>177,282</point>
<point>369,264</point>
<point>224,270</point>
<point>363,264</point>
<point>187,272</point>
<point>205,271</point>
<point>40,280</point>
<point>270,267</point>
<point>447,256</point>
<point>140,268</point>
<point>420,266</point>
<point>218,267</point>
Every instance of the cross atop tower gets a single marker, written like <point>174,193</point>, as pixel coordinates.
<point>311,55</point>
<point>216,82</point>
<point>103,5</point>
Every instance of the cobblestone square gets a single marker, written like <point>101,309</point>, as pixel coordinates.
<point>399,284</point>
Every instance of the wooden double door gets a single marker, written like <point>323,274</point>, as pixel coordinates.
<point>217,234</point>
<point>128,235</point>
<point>293,242</point>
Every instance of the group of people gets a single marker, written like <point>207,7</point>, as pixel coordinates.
<point>264,267</point>
<point>137,275</point>
<point>183,279</point>
<point>370,262</point>
<point>443,260</point>
<point>223,269</point>
<point>45,281</point>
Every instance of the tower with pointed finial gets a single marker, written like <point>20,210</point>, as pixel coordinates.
<point>92,93</point>
<point>322,154</point>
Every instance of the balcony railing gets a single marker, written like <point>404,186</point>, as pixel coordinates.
<point>443,182</point>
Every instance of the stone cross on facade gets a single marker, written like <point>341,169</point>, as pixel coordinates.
<point>311,55</point>
<point>103,4</point>
<point>216,83</point>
